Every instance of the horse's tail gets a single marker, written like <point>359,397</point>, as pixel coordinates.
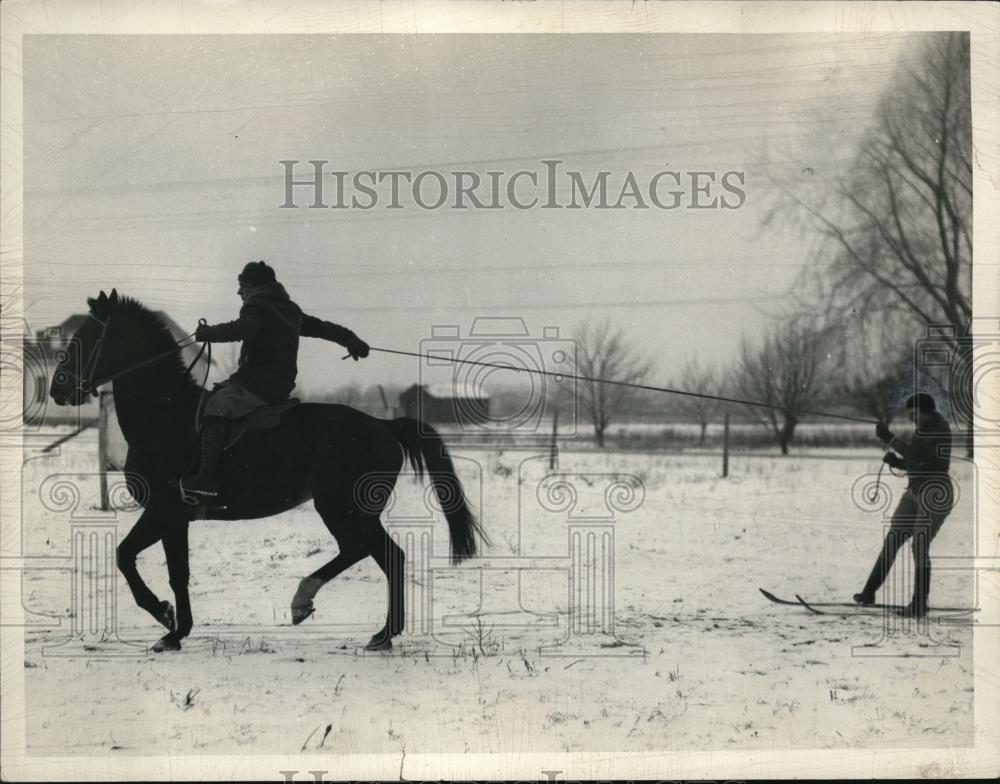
<point>427,453</point>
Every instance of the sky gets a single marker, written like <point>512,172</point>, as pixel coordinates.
<point>152,165</point>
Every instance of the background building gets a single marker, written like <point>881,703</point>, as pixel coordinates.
<point>439,403</point>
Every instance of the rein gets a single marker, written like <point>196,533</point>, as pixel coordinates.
<point>86,385</point>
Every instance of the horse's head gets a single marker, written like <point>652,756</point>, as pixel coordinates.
<point>84,362</point>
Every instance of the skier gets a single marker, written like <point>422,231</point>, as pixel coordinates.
<point>925,504</point>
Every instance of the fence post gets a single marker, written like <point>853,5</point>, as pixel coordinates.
<point>725,446</point>
<point>554,448</point>
<point>102,448</point>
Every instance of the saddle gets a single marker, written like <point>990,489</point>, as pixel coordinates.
<point>263,418</point>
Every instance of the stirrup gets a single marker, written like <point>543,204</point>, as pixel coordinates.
<point>193,497</point>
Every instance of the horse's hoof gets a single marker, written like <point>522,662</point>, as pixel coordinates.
<point>302,602</point>
<point>166,616</point>
<point>379,643</point>
<point>167,643</point>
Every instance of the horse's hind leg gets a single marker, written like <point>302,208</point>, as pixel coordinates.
<point>351,512</point>
<point>302,602</point>
<point>342,519</point>
<point>391,560</point>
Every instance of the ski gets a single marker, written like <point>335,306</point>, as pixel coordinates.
<point>819,607</point>
<point>953,614</point>
<point>808,606</point>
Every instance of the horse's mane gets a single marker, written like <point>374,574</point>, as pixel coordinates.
<point>139,318</point>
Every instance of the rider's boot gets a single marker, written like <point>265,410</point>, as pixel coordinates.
<point>213,439</point>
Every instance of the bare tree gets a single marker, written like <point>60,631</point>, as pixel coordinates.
<point>788,370</point>
<point>900,221</point>
<point>703,381</point>
<point>876,367</point>
<point>603,352</point>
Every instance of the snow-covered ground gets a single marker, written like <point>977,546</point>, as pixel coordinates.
<point>700,659</point>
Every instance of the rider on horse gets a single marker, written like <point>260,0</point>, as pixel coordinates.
<point>269,325</point>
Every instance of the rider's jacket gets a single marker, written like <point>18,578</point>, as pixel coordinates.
<point>269,325</point>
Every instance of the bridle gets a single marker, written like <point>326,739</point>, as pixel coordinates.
<point>84,382</point>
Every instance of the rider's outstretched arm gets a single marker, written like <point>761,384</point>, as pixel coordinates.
<point>313,327</point>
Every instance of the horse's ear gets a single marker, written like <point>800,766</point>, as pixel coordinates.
<point>114,295</point>
<point>98,304</point>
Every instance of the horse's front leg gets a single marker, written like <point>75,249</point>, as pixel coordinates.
<point>175,545</point>
<point>145,533</point>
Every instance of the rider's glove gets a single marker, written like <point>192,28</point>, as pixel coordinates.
<point>357,348</point>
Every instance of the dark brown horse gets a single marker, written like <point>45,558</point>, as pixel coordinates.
<point>344,460</point>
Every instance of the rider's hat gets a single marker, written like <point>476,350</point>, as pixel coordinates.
<point>257,273</point>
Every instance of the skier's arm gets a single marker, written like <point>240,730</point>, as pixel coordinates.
<point>894,461</point>
<point>901,445</point>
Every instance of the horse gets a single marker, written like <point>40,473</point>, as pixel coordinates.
<point>346,461</point>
